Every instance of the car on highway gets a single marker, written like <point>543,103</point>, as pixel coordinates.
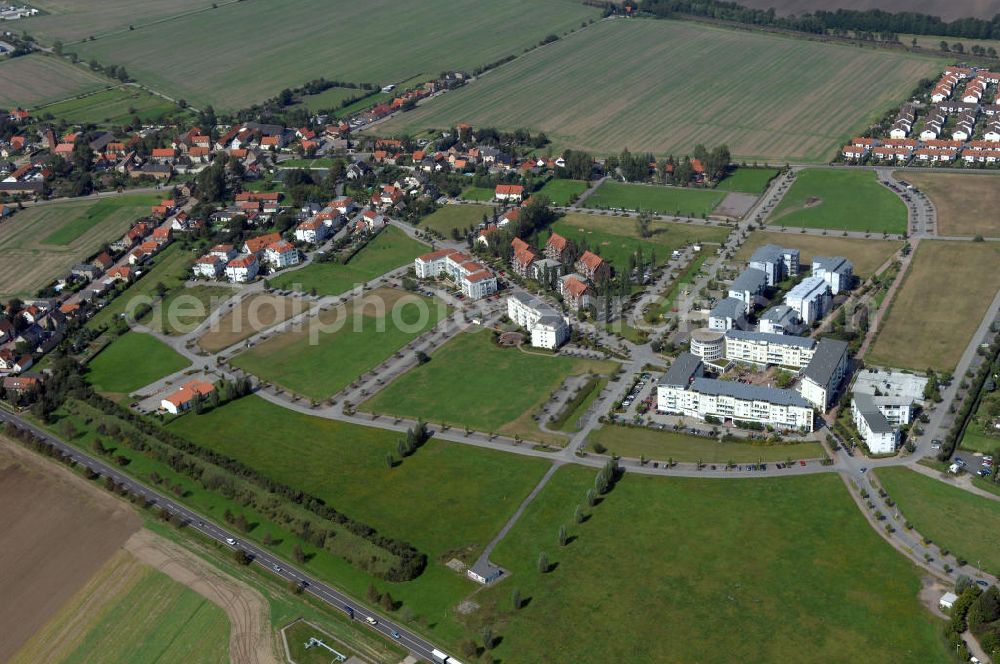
<point>277,568</point>
<point>396,635</point>
<point>231,542</point>
<point>371,620</point>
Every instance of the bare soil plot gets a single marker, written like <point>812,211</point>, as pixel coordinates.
<point>947,10</point>
<point>38,79</point>
<point>966,204</point>
<point>942,301</point>
<point>253,314</point>
<point>55,533</point>
<point>867,255</point>
<point>677,84</point>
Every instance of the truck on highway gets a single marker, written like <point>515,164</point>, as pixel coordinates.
<point>443,658</point>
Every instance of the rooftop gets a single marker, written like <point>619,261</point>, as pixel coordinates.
<point>729,307</point>
<point>873,416</point>
<point>749,392</point>
<point>772,253</point>
<point>890,383</point>
<point>828,356</point>
<point>751,279</point>
<point>684,368</point>
<point>765,337</point>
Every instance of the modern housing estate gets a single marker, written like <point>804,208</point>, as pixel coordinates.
<point>775,262</point>
<point>547,327</point>
<point>474,279</point>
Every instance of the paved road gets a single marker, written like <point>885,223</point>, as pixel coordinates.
<point>280,568</point>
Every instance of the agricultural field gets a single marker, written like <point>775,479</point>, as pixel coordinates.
<point>460,217</point>
<point>966,204</point>
<point>332,350</point>
<point>429,391</point>
<point>251,60</point>
<point>616,238</point>
<point>38,79</point>
<point>40,244</point>
<point>842,200</point>
<point>44,508</point>
<point>252,314</point>
<point>652,198</point>
<point>171,267</point>
<point>953,518</point>
<point>866,255</point>
<point>70,20</point>
<point>743,570</point>
<point>771,98</point>
<point>391,249</point>
<point>344,464</point>
<point>748,180</point>
<point>949,11</point>
<point>932,319</point>
<point>636,442</point>
<point>109,107</point>
<point>117,370</point>
<point>562,192</point>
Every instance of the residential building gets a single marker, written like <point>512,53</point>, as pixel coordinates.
<point>509,192</point>
<point>879,435</point>
<point>544,269</point>
<point>431,264</point>
<point>821,377</point>
<point>281,254</point>
<point>748,287</point>
<point>727,314</point>
<point>547,327</point>
<point>709,345</point>
<point>313,231</point>
<point>243,269</point>
<point>836,271</point>
<point>763,349</point>
<point>472,277</point>
<point>781,319</point>
<point>575,291</point>
<point>257,245</point>
<point>557,248</point>
<point>185,396</point>
<point>210,266</point>
<point>810,298</point>
<point>523,258</point>
<point>775,262</point>
<point>592,266</point>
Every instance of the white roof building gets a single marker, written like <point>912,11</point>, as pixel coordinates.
<point>836,271</point>
<point>547,326</point>
<point>810,298</point>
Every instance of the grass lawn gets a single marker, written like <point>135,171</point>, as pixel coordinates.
<point>130,612</point>
<point>866,255</point>
<point>482,194</point>
<point>132,361</point>
<point>662,200</point>
<point>350,341</point>
<point>748,180</point>
<point>170,267</point>
<point>390,249</point>
<point>319,162</point>
<point>110,107</point>
<point>974,438</point>
<point>449,217</point>
<point>951,517</point>
<point>41,243</point>
<point>571,421</point>
<point>453,387</point>
<point>254,313</point>
<point>328,100</point>
<point>664,445</point>
<point>932,319</point>
<point>966,203</point>
<point>616,238</point>
<point>344,464</point>
<point>562,192</point>
<point>298,635</point>
<point>768,97</point>
<point>36,79</point>
<point>184,309</point>
<point>686,570</point>
<point>846,200</point>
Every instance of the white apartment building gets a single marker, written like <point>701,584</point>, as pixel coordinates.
<point>781,319</point>
<point>209,266</point>
<point>727,314</point>
<point>810,298</point>
<point>748,287</point>
<point>880,436</point>
<point>547,327</point>
<point>242,269</point>
<point>472,277</point>
<point>761,348</point>
<point>313,231</point>
<point>824,373</point>
<point>281,254</point>
<point>836,271</point>
<point>775,262</point>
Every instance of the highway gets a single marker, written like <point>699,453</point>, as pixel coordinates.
<point>336,599</point>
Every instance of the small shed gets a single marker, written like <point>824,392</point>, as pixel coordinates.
<point>947,600</point>
<point>484,572</point>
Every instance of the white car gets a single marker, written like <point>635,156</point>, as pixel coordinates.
<point>230,541</point>
<point>371,620</point>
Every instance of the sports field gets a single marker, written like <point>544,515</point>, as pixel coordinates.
<point>941,303</point>
<point>766,97</point>
<point>686,570</point>
<point>336,347</point>
<point>131,362</point>
<point>390,249</point>
<point>748,180</point>
<point>253,313</point>
<point>866,255</point>
<point>420,501</point>
<point>41,243</point>
<point>38,79</point>
<point>112,107</point>
<point>949,516</point>
<point>460,217</point>
<point>453,387</point>
<point>562,192</point>
<point>130,612</point>
<point>616,238</point>
<point>966,204</point>
<point>661,200</point>
<point>260,47</point>
<point>662,446</point>
<point>843,200</point>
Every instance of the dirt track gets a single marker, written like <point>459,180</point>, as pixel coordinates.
<point>251,637</point>
<point>56,532</point>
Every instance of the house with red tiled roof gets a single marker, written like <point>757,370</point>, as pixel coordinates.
<point>575,291</point>
<point>313,231</point>
<point>209,266</point>
<point>592,266</point>
<point>163,155</point>
<point>522,260</point>
<point>256,245</point>
<point>509,192</point>
<point>242,269</point>
<point>281,254</point>
<point>186,396</point>
<point>557,248</point>
<point>21,384</point>
<point>121,273</point>
<point>64,149</point>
